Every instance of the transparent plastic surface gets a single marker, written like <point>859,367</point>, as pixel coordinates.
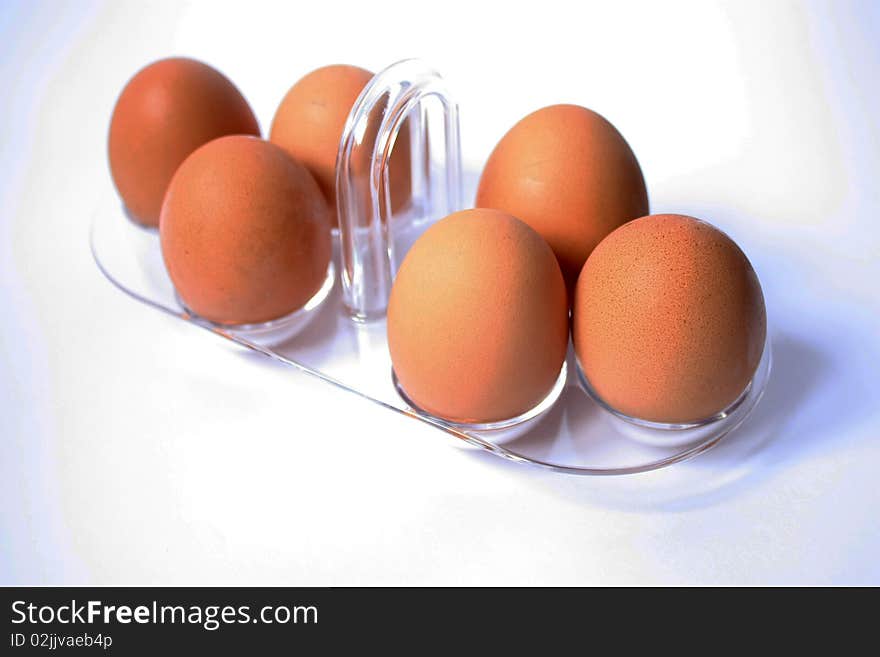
<point>340,336</point>
<point>574,434</point>
<point>408,102</point>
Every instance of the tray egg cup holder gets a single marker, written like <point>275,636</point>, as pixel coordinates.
<point>339,335</point>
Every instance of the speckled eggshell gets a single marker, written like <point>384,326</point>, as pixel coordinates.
<point>309,122</point>
<point>570,175</point>
<point>244,232</point>
<point>166,111</point>
<point>477,321</point>
<point>669,320</point>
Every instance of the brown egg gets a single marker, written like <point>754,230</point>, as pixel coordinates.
<point>477,321</point>
<point>669,320</point>
<point>309,124</point>
<point>570,175</point>
<point>244,232</point>
<point>166,111</point>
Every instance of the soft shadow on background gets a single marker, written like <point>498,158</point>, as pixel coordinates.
<point>804,414</point>
<point>798,370</point>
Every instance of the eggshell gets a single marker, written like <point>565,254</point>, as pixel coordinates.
<point>165,112</point>
<point>477,321</point>
<point>570,175</point>
<point>669,320</point>
<point>244,232</point>
<point>309,123</point>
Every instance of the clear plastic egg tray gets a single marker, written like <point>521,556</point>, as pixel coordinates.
<point>339,336</point>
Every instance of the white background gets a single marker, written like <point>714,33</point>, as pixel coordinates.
<point>135,449</point>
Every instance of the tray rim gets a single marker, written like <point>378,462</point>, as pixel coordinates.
<point>687,452</point>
